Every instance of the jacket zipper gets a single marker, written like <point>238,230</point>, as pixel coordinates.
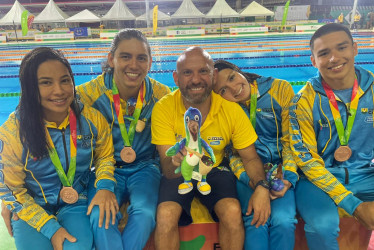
<point>258,138</point>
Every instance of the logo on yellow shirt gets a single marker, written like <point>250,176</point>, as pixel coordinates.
<point>215,140</point>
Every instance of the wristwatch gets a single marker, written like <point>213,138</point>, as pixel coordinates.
<point>263,183</point>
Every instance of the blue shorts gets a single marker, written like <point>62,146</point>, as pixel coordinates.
<point>222,182</point>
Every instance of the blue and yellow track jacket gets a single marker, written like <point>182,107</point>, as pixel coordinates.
<point>98,94</point>
<point>31,187</point>
<point>314,139</point>
<point>272,122</point>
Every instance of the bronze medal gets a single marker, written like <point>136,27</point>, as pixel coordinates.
<point>140,125</point>
<point>69,195</point>
<point>343,153</point>
<point>128,154</point>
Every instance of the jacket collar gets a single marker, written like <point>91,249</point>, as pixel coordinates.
<point>365,79</point>
<point>108,81</point>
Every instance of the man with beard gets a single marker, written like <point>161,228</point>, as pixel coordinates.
<point>222,122</point>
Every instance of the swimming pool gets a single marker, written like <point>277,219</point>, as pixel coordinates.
<point>281,56</point>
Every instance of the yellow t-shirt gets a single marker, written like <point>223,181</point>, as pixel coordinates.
<point>225,122</point>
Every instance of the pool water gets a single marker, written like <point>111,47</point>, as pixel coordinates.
<point>282,56</point>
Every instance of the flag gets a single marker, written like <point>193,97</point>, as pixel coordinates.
<point>30,19</point>
<point>285,12</point>
<point>155,13</point>
<point>25,29</point>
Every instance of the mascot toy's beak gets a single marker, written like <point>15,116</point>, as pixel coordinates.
<point>193,127</point>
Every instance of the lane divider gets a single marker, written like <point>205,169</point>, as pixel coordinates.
<point>15,94</point>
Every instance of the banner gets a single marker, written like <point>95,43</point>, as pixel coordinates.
<point>294,13</point>
<point>24,22</point>
<point>308,27</point>
<point>326,20</point>
<point>248,29</point>
<point>285,12</point>
<point>30,19</point>
<point>54,36</point>
<point>155,13</point>
<point>80,31</point>
<point>185,32</point>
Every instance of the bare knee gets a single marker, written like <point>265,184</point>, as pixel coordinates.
<point>229,213</point>
<point>168,214</point>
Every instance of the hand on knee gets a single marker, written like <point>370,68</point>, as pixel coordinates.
<point>365,214</point>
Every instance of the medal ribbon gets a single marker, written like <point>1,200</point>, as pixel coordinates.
<point>253,105</point>
<point>66,181</point>
<point>128,137</point>
<point>344,134</point>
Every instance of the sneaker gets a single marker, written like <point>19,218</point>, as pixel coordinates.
<point>203,187</point>
<point>185,187</point>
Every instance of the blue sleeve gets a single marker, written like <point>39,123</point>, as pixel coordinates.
<point>244,178</point>
<point>106,185</point>
<point>291,177</point>
<point>50,228</point>
<point>350,203</point>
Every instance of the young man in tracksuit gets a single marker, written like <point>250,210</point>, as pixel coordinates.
<point>331,126</point>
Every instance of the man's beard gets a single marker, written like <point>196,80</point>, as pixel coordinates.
<point>197,99</point>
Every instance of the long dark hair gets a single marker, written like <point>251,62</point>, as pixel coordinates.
<point>31,124</point>
<point>222,64</point>
<point>125,34</point>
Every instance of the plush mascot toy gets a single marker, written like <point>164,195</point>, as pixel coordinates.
<point>274,175</point>
<point>195,158</point>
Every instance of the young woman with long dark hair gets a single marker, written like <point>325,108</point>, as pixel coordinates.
<point>47,149</point>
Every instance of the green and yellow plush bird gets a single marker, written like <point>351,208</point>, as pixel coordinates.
<point>194,145</point>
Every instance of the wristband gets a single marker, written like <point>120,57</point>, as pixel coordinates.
<point>263,183</point>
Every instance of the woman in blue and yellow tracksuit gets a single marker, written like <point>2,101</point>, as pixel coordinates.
<point>47,149</point>
<point>325,182</point>
<point>138,181</point>
<point>270,109</point>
